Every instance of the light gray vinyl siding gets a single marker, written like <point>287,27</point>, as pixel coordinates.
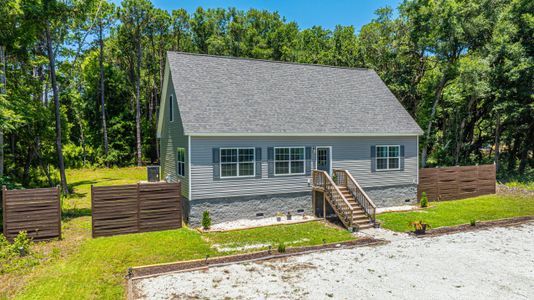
<point>172,137</point>
<point>351,153</point>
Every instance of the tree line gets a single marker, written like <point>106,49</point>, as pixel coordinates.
<point>80,81</point>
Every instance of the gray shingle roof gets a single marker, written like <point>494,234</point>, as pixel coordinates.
<point>227,95</point>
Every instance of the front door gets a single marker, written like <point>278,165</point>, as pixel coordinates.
<point>323,159</point>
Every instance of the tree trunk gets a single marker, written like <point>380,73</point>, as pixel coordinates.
<point>102,101</point>
<point>439,93</point>
<point>460,138</point>
<point>524,152</point>
<point>138,104</point>
<point>2,91</point>
<point>52,64</point>
<point>497,141</point>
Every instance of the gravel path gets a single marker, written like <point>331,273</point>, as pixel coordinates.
<point>496,263</point>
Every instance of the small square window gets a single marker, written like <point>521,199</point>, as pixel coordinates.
<point>388,157</point>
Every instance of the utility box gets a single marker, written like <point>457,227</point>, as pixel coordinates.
<point>153,173</point>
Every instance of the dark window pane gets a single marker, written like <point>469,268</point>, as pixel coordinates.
<point>228,155</point>
<point>393,151</point>
<point>297,153</point>
<point>246,169</point>
<point>393,163</point>
<point>281,154</point>
<point>297,167</point>
<point>281,168</point>
<point>381,163</point>
<point>246,154</point>
<point>381,151</point>
<point>228,170</point>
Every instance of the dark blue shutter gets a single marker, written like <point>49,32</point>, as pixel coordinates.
<point>373,158</point>
<point>308,161</point>
<point>270,161</point>
<point>258,162</point>
<point>216,166</point>
<point>401,157</point>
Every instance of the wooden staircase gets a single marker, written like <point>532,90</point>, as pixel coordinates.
<point>348,200</point>
<point>359,217</point>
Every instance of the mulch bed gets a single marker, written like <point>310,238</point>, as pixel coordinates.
<point>483,225</point>
<point>198,264</point>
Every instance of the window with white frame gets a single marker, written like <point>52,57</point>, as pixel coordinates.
<point>388,157</point>
<point>237,162</point>
<point>180,158</point>
<point>289,161</point>
<point>171,109</point>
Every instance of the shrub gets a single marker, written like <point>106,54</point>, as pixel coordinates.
<point>281,248</point>
<point>206,220</point>
<point>22,243</point>
<point>473,222</point>
<point>17,255</point>
<point>424,200</point>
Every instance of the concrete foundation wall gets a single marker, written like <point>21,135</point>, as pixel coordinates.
<point>235,208</point>
<point>393,195</point>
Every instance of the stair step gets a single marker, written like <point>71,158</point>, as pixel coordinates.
<point>365,226</point>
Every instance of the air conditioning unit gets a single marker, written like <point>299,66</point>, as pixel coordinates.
<point>152,173</point>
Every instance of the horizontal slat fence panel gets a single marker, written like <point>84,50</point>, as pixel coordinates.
<point>456,182</point>
<point>143,207</point>
<point>36,211</point>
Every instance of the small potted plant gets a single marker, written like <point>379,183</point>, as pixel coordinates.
<point>420,227</point>
<point>279,216</point>
<point>288,216</point>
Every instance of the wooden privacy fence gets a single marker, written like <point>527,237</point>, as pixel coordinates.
<point>456,182</point>
<point>141,207</point>
<point>36,211</point>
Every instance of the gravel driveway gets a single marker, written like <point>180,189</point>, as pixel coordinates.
<point>496,263</point>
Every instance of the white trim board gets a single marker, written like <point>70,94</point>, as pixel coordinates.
<point>314,134</point>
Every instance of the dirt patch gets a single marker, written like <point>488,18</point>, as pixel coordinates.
<point>260,255</point>
<point>484,225</point>
<point>504,189</point>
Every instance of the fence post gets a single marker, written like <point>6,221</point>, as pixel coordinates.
<point>58,193</point>
<point>138,208</point>
<point>92,212</point>
<point>4,223</point>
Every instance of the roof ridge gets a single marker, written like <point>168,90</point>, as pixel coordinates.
<point>271,61</point>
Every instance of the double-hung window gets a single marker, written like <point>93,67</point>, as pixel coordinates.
<point>180,158</point>
<point>237,162</point>
<point>289,161</point>
<point>388,157</point>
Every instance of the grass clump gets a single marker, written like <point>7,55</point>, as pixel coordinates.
<point>281,248</point>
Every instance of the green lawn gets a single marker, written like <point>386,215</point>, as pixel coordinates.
<point>448,213</point>
<point>98,268</point>
<point>311,233</point>
<point>79,267</point>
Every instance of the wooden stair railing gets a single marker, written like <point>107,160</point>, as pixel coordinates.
<point>334,196</point>
<point>344,178</point>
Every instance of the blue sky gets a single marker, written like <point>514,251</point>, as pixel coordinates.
<point>305,12</point>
